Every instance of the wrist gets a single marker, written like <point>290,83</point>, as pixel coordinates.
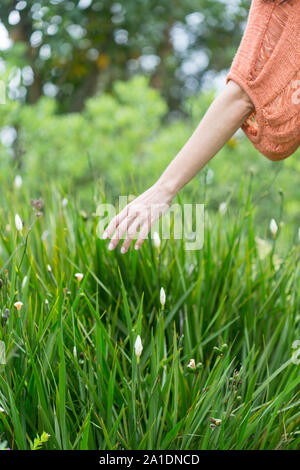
<point>167,188</point>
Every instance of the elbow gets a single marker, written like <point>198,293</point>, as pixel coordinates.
<point>241,97</point>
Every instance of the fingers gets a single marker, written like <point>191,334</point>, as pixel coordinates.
<point>121,229</point>
<point>113,224</point>
<point>131,233</point>
<point>142,235</point>
<point>129,220</point>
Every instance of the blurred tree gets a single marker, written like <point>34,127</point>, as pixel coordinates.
<point>74,47</point>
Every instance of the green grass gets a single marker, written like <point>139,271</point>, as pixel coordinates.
<point>71,368</point>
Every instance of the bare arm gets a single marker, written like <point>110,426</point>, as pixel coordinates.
<point>222,119</point>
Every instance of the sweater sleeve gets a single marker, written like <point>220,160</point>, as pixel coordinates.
<point>265,66</point>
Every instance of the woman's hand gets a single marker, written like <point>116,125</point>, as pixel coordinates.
<point>224,116</point>
<point>140,215</point>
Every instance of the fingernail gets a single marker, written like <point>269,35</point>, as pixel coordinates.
<point>104,236</point>
<point>110,246</point>
<point>123,250</point>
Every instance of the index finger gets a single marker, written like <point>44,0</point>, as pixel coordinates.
<point>113,224</point>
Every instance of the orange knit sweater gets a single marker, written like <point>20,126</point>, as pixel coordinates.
<point>267,67</point>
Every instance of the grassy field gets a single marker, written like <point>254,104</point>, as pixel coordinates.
<point>72,379</point>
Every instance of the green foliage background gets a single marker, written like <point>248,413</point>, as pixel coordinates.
<point>124,140</point>
<point>72,380</point>
<point>86,53</point>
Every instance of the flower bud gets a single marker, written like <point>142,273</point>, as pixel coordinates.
<point>19,223</point>
<point>273,228</point>
<point>18,305</point>
<point>162,297</point>
<point>79,276</point>
<point>138,347</point>
<point>156,240</point>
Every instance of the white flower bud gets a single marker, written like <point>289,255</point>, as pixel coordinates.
<point>273,227</point>
<point>192,364</point>
<point>138,347</point>
<point>19,223</point>
<point>162,297</point>
<point>79,276</point>
<point>18,181</point>
<point>18,305</point>
<point>156,239</point>
<point>223,208</point>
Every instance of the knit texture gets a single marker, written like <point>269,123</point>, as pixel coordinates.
<point>267,67</point>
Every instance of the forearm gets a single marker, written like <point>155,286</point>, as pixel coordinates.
<point>225,115</point>
<point>223,118</point>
